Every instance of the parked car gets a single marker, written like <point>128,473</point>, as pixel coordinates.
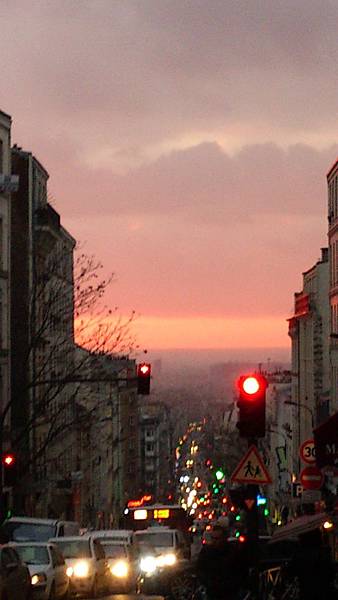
<point>47,569</point>
<point>123,564</point>
<point>30,529</point>
<point>88,567</point>
<point>15,580</point>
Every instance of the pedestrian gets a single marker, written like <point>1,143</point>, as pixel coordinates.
<point>222,566</point>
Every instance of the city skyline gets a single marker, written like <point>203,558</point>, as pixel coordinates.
<point>187,149</point>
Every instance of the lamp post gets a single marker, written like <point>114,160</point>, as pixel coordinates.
<point>290,403</point>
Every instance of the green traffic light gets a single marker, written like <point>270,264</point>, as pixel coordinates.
<point>266,512</point>
<point>216,490</point>
<point>219,474</point>
<point>238,517</point>
<point>237,534</point>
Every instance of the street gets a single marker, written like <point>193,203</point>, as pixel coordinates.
<point>129,597</point>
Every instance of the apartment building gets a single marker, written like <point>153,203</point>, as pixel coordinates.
<point>309,329</point>
<point>332,183</point>
<point>108,447</point>
<point>42,343</point>
<point>5,207</point>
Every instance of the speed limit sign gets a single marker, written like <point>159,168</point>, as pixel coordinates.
<point>307,452</point>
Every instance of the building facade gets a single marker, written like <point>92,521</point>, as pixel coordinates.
<point>309,329</point>
<point>42,343</point>
<point>6,186</point>
<point>108,446</point>
<point>156,449</point>
<point>332,182</point>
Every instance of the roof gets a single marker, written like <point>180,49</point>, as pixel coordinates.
<point>332,168</point>
<point>32,520</point>
<point>3,114</point>
<point>299,526</point>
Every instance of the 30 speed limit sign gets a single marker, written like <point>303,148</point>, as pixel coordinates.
<point>307,452</point>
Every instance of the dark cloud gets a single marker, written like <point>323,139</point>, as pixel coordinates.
<point>203,184</point>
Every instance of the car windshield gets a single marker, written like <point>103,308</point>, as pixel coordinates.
<point>113,550</point>
<point>33,555</point>
<point>74,548</point>
<point>24,532</point>
<point>160,539</point>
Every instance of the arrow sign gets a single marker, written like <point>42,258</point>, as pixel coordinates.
<point>251,469</point>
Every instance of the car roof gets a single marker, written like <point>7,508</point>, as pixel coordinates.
<point>32,521</point>
<point>69,538</point>
<point>28,543</point>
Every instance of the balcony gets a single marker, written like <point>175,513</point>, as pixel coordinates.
<point>48,225</point>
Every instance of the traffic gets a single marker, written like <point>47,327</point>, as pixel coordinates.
<point>215,543</point>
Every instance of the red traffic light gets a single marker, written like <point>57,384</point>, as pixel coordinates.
<point>8,459</point>
<point>143,378</point>
<point>252,386</point>
<point>144,369</point>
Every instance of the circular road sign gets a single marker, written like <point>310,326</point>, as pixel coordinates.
<point>307,452</point>
<point>311,478</point>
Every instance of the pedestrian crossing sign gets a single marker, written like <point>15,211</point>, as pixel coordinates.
<point>251,469</point>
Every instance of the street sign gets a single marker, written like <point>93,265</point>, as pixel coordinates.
<point>251,469</point>
<point>311,478</point>
<point>307,452</point>
<point>297,489</point>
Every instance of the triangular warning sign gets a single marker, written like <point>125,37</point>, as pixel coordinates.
<point>251,469</point>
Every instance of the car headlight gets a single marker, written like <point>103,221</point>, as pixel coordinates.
<point>119,569</point>
<point>69,571</point>
<point>81,569</point>
<point>148,564</point>
<point>38,578</point>
<point>166,560</point>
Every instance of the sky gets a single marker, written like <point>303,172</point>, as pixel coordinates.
<point>187,143</point>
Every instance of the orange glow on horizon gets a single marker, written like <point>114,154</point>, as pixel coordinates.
<point>208,332</point>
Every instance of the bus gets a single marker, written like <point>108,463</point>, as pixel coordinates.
<point>170,515</point>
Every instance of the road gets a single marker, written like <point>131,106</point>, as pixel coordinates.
<point>129,597</point>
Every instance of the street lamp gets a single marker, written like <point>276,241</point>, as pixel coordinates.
<point>290,403</point>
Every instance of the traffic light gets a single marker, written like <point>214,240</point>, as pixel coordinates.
<point>9,469</point>
<point>251,404</point>
<point>143,378</point>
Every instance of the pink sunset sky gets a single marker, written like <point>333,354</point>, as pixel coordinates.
<point>187,143</point>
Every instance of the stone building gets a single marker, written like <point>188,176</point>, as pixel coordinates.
<point>42,343</point>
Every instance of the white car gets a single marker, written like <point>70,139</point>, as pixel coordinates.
<point>87,565</point>
<point>123,565</point>
<point>47,569</point>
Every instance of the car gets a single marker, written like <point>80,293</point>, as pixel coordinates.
<point>123,564</point>
<point>121,536</point>
<point>15,580</point>
<point>88,567</point>
<point>166,542</point>
<point>24,529</point>
<point>47,569</point>
<point>162,558</point>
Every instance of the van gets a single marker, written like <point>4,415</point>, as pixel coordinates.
<point>118,536</point>
<point>30,529</point>
<point>164,539</point>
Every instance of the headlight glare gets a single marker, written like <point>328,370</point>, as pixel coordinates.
<point>81,569</point>
<point>38,578</point>
<point>148,564</point>
<point>119,569</point>
<point>69,571</point>
<point>166,560</point>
